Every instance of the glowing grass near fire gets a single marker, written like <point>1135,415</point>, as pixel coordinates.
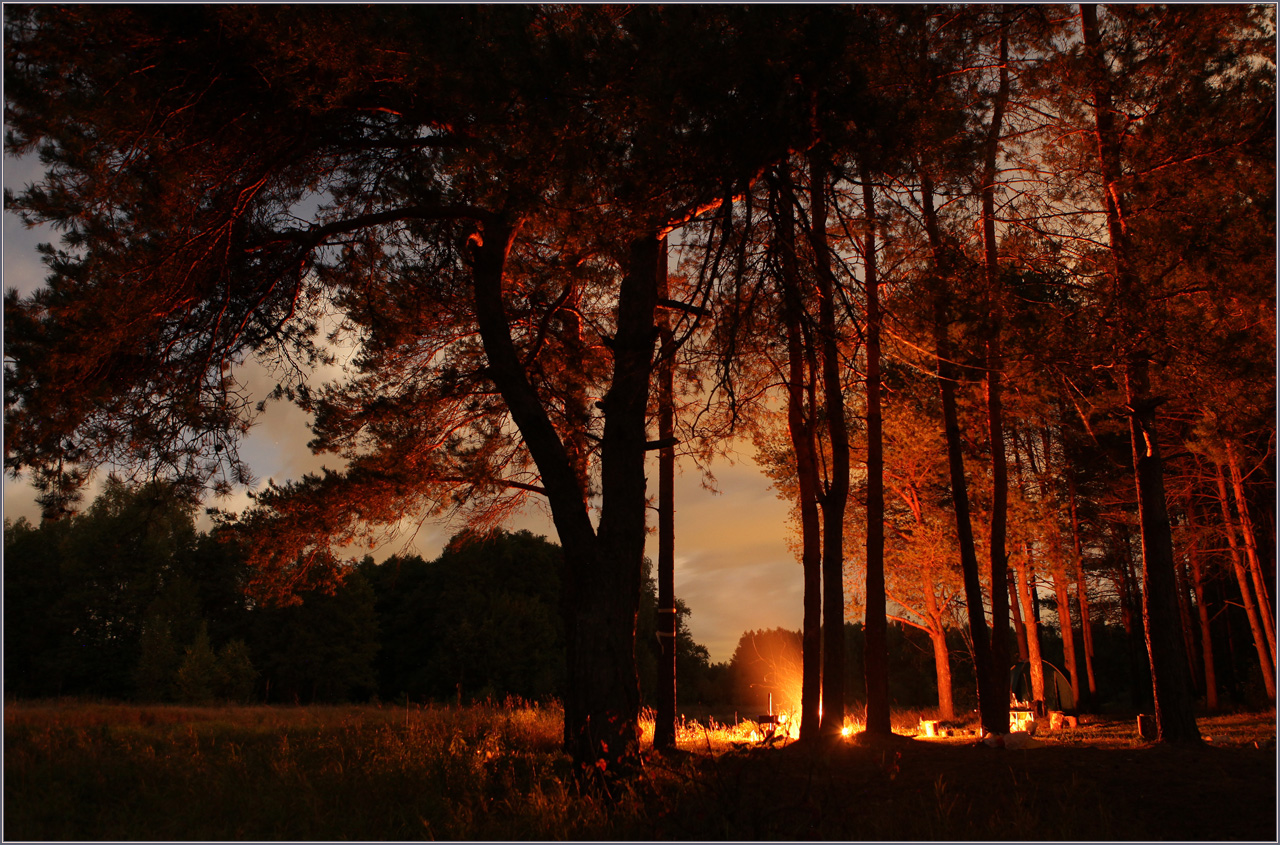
<point>84,770</point>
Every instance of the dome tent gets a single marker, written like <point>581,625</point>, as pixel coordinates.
<point>1057,689</point>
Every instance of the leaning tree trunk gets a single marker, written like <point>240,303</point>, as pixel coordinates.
<point>1251,549</point>
<point>1019,626</point>
<point>1246,594</point>
<point>1189,630</point>
<point>1171,682</point>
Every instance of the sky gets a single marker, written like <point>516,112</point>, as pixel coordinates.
<point>733,568</point>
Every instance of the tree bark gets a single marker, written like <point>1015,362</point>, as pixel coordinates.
<point>876,659</point>
<point>605,632</point>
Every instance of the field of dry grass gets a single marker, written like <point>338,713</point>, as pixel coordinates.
<point>98,771</point>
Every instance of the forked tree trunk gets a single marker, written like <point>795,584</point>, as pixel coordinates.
<point>604,565</point>
<point>603,680</point>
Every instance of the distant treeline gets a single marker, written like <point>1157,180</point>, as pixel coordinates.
<point>129,600</point>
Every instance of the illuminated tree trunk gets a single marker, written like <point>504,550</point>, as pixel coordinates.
<point>836,497</point>
<point>1171,687</point>
<point>1189,630</point>
<point>664,731</point>
<point>1206,636</point>
<point>1082,596</point>
<point>1063,595</point>
<point>979,639</point>
<point>1019,626</point>
<point>1023,566</point>
<point>995,412</point>
<point>800,424</point>
<point>876,659</point>
<point>1246,594</point>
<point>1251,550</point>
<point>941,653</point>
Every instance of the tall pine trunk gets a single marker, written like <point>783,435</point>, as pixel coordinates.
<point>999,715</point>
<point>1206,636</point>
<point>979,639</point>
<point>801,426</point>
<point>1171,682</point>
<point>1082,597</point>
<point>664,730</point>
<point>835,498</point>
<point>876,661</point>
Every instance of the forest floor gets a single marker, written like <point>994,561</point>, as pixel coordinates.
<point>101,771</point>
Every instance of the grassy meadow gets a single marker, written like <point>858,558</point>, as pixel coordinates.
<point>79,770</point>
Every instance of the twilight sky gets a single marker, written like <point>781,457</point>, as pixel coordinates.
<point>733,568</point>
